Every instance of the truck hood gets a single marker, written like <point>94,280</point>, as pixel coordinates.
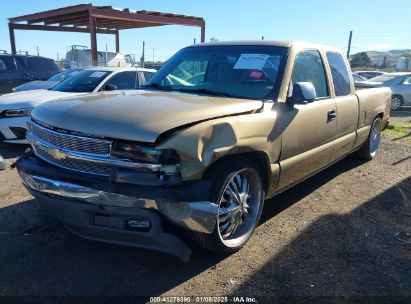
<point>30,99</point>
<point>137,115</point>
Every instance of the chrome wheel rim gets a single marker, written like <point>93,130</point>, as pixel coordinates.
<point>375,137</point>
<point>239,207</point>
<point>395,103</point>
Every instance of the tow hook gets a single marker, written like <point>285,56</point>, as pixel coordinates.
<point>28,152</point>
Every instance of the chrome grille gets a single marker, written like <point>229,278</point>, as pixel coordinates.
<point>75,165</point>
<point>71,142</point>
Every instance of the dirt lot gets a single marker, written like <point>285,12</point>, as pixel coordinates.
<point>332,235</point>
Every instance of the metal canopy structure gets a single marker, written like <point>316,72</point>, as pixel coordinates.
<point>87,18</point>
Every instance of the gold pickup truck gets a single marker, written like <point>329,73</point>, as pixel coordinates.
<point>220,128</point>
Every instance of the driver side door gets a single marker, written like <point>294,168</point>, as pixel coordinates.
<point>308,140</point>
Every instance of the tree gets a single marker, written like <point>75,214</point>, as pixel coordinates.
<point>360,60</point>
<point>212,39</point>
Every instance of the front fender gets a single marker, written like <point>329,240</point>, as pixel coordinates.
<point>201,145</point>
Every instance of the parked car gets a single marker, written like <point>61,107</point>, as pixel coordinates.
<point>123,167</point>
<point>369,74</point>
<point>49,83</point>
<point>399,83</point>
<point>357,78</point>
<point>15,107</point>
<point>18,69</point>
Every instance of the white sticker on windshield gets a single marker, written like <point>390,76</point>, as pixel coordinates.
<point>251,62</point>
<point>97,74</point>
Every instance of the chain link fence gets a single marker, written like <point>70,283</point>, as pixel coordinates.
<point>376,60</point>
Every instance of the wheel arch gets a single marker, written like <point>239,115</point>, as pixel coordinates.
<point>260,158</point>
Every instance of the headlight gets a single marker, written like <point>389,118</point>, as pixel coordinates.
<point>145,154</point>
<point>17,113</point>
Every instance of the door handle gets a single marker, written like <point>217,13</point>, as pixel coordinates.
<point>332,114</point>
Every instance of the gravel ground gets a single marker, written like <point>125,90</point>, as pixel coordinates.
<point>332,235</point>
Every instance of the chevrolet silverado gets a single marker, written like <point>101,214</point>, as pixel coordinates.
<point>219,129</point>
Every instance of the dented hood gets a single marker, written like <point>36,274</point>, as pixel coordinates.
<point>137,115</point>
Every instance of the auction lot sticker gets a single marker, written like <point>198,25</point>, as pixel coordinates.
<point>251,62</point>
<point>97,74</point>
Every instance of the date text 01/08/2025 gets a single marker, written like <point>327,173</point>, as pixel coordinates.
<point>202,299</point>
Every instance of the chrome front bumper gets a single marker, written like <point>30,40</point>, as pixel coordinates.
<point>197,216</point>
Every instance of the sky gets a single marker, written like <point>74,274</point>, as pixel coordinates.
<point>376,25</point>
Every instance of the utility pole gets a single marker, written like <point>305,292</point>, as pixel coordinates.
<point>142,57</point>
<point>106,54</point>
<point>38,52</point>
<point>349,46</point>
<point>153,55</point>
<point>194,41</point>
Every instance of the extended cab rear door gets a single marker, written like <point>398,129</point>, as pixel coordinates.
<point>308,139</point>
<point>346,103</point>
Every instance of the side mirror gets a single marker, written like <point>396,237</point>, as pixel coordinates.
<point>110,87</point>
<point>303,92</point>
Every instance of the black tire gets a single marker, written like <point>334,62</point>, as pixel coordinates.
<point>221,174</point>
<point>397,101</point>
<point>367,150</point>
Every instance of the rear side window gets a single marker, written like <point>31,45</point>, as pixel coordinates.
<point>339,71</point>
<point>43,64</point>
<point>309,67</point>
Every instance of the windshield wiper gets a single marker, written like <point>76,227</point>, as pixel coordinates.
<point>205,91</point>
<point>157,86</point>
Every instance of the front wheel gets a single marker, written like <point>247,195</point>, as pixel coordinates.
<point>238,191</point>
<point>369,149</point>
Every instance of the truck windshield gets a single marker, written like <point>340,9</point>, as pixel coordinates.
<point>242,71</point>
<point>84,81</point>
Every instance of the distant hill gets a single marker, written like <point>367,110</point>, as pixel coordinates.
<point>392,56</point>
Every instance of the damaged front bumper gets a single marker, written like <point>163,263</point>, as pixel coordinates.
<point>102,210</point>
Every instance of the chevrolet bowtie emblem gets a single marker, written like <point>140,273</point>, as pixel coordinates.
<point>57,154</point>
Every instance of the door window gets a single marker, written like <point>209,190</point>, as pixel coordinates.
<point>147,75</point>
<point>309,67</point>
<point>22,64</point>
<point>339,72</point>
<point>407,80</point>
<point>124,81</point>
<point>6,64</point>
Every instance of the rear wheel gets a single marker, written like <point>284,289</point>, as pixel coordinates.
<point>238,190</point>
<point>369,149</point>
<point>396,102</point>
